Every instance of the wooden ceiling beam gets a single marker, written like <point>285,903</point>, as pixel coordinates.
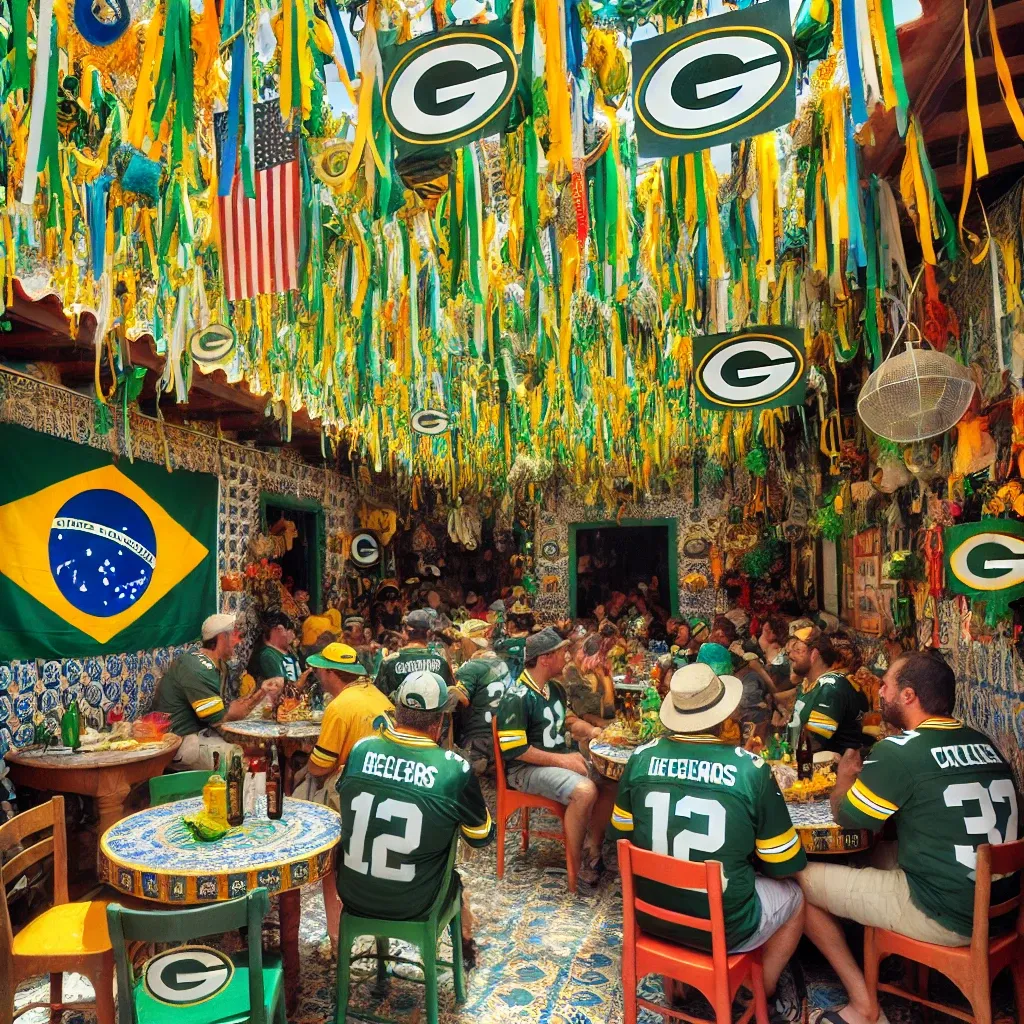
<point>951,176</point>
<point>953,123</point>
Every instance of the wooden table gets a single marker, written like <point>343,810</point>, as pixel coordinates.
<point>153,856</point>
<point>819,832</point>
<point>106,775</point>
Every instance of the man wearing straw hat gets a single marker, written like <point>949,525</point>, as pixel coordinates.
<point>696,798</point>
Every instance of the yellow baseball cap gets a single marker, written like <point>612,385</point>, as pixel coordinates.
<point>340,658</point>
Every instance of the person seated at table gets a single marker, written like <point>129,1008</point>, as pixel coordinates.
<point>272,658</point>
<point>192,693</point>
<point>417,654</point>
<point>830,706</point>
<point>948,790</point>
<point>693,796</point>
<point>533,718</point>
<point>403,800</point>
<point>357,709</point>
<point>482,680</point>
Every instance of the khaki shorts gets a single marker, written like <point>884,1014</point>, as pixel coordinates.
<point>196,751</point>
<point>878,896</point>
<point>321,790</point>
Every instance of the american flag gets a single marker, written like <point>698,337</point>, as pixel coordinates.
<point>259,237</point>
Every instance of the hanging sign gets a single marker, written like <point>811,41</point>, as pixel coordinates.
<point>985,561</point>
<point>759,368</point>
<point>365,549</point>
<point>715,81</point>
<point>429,421</point>
<point>451,88</point>
<point>212,347</point>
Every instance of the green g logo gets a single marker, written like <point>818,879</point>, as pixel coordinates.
<point>989,561</point>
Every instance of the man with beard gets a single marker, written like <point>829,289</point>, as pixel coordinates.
<point>830,706</point>
<point>948,790</point>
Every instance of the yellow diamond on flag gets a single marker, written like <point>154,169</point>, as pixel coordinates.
<point>96,550</point>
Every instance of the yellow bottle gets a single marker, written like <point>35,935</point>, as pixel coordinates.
<point>215,795</point>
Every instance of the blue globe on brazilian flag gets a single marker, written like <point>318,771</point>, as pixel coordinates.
<point>100,558</point>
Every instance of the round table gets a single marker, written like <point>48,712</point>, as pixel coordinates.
<point>105,775</point>
<point>152,855</point>
<point>819,832</point>
<point>290,737</point>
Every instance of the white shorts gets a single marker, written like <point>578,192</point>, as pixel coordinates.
<point>780,899</point>
<point>196,751</point>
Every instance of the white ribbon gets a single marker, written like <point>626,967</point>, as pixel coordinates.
<point>41,86</point>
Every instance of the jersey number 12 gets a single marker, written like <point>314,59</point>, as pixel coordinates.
<point>659,802</point>
<point>386,843</point>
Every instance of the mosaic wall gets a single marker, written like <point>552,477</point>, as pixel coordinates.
<point>244,473</point>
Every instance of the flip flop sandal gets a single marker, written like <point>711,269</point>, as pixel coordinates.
<point>590,874</point>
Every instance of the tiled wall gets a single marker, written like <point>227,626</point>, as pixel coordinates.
<point>129,679</point>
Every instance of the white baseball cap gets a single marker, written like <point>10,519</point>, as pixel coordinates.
<point>425,691</point>
<point>214,625</point>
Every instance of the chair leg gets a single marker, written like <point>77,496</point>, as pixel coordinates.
<point>56,996</point>
<point>760,998</point>
<point>871,966</point>
<point>458,971</point>
<point>981,1002</point>
<point>501,823</point>
<point>380,986</point>
<point>525,842</point>
<point>430,981</point>
<point>629,1004</point>
<point>344,964</point>
<point>102,978</point>
<point>922,980</point>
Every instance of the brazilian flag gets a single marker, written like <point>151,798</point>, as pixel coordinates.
<point>98,558</point>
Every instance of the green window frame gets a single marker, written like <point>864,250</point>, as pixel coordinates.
<point>673,554</point>
<point>316,568</point>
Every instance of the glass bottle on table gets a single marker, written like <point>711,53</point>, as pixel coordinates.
<point>805,757</point>
<point>235,792</point>
<point>275,788</point>
<point>215,793</point>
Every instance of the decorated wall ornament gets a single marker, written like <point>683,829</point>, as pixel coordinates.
<point>330,164</point>
<point>365,549</point>
<point>715,81</point>
<point>449,89</point>
<point>985,562</point>
<point>429,421</point>
<point>102,22</point>
<point>759,368</point>
<point>212,347</point>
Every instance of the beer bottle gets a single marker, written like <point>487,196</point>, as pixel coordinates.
<point>805,757</point>
<point>236,782</point>
<point>275,788</point>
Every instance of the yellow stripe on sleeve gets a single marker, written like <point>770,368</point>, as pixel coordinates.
<point>478,831</point>
<point>207,707</point>
<point>622,820</point>
<point>873,798</point>
<point>322,758</point>
<point>779,848</point>
<point>863,800</point>
<point>511,737</point>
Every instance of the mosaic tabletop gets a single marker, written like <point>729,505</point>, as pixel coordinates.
<point>265,730</point>
<point>38,757</point>
<point>153,855</point>
<point>819,832</point>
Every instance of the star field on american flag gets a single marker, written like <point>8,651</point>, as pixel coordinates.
<point>260,237</point>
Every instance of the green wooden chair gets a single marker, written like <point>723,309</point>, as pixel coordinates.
<point>254,994</point>
<point>164,789</point>
<point>425,933</point>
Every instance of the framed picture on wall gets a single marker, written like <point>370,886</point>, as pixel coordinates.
<point>867,581</point>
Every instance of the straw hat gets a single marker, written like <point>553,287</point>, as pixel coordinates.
<point>699,699</point>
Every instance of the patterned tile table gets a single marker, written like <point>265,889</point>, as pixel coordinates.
<point>819,832</point>
<point>260,733</point>
<point>153,855</point>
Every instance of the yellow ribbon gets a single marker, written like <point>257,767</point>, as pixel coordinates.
<point>971,241</point>
<point>1003,73</point>
<point>976,135</point>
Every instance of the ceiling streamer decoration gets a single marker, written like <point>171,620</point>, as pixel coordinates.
<point>378,210</point>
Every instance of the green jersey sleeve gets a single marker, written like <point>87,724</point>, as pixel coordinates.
<point>270,665</point>
<point>622,813</point>
<point>819,712</point>
<point>512,725</point>
<point>880,790</point>
<point>776,842</point>
<point>204,696</point>
<point>474,817</point>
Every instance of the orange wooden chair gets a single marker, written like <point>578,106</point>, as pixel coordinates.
<point>717,975</point>
<point>66,937</point>
<point>511,800</point>
<point>971,968</point>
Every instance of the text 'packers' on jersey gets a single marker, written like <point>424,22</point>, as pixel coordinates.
<point>948,791</point>
<point>393,671</point>
<point>531,715</point>
<point>696,799</point>
<point>402,801</point>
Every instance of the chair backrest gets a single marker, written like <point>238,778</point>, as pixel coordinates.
<point>182,926</point>
<point>499,762</point>
<point>165,789</point>
<point>46,816</point>
<point>992,863</point>
<point>680,874</point>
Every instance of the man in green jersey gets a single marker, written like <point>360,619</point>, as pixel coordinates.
<point>192,693</point>
<point>694,797</point>
<point>417,655</point>
<point>403,801</point>
<point>533,717</point>
<point>948,790</point>
<point>273,658</point>
<point>829,706</point>
<point>482,678</point>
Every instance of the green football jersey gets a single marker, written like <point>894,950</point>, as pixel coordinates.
<point>191,692</point>
<point>697,799</point>
<point>530,717</point>
<point>948,790</point>
<point>268,663</point>
<point>832,710</point>
<point>484,681</point>
<point>393,671</point>
<point>402,800</point>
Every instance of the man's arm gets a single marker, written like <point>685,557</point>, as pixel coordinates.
<point>872,791</point>
<point>777,845</point>
<point>475,821</point>
<point>242,706</point>
<point>850,766</point>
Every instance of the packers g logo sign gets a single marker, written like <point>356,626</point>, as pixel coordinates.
<point>761,368</point>
<point>719,80</point>
<point>187,975</point>
<point>986,557</point>
<point>450,89</point>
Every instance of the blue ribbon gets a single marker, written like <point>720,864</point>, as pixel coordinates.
<point>857,250</point>
<point>97,193</point>
<point>339,31</point>
<point>857,101</point>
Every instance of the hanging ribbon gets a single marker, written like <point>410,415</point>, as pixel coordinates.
<point>42,132</point>
<point>972,244</point>
<point>976,135</point>
<point>1006,86</point>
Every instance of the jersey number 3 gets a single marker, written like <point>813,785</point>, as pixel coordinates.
<point>386,843</point>
<point>1000,791</point>
<point>658,803</point>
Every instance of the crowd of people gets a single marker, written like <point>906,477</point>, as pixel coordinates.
<point>415,699</point>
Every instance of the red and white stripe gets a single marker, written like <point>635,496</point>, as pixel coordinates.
<point>260,237</point>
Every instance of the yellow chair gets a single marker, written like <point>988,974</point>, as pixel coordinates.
<point>67,937</point>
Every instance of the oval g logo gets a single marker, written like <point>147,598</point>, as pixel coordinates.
<point>749,369</point>
<point>187,975</point>
<point>365,549</point>
<point>713,81</point>
<point>212,346</point>
<point>429,421</point>
<point>448,87</point>
<point>989,561</point>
